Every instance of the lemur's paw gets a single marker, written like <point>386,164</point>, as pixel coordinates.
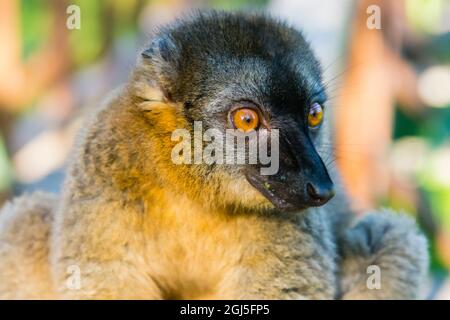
<point>385,233</point>
<point>393,243</point>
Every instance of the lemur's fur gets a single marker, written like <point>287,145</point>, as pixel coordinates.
<point>136,225</point>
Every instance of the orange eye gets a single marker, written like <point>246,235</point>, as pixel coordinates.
<point>315,115</point>
<point>246,119</point>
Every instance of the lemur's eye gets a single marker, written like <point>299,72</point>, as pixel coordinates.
<point>245,119</point>
<point>315,115</point>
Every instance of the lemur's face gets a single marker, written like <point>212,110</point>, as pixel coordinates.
<point>256,75</point>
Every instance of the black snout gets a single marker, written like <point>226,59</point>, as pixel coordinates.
<point>302,180</point>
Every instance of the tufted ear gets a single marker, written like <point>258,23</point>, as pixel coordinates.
<point>163,58</point>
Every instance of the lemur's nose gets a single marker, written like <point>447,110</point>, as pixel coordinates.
<point>319,194</point>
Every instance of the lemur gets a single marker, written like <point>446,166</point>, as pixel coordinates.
<point>132,224</point>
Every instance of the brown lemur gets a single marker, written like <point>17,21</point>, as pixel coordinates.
<point>131,223</point>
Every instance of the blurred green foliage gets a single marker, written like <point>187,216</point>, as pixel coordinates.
<point>434,129</point>
<point>36,19</point>
<point>424,14</point>
<point>86,42</point>
<point>5,170</point>
<point>235,4</point>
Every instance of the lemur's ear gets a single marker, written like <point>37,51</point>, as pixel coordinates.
<point>161,47</point>
<point>163,58</point>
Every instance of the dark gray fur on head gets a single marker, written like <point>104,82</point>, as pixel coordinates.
<point>198,56</point>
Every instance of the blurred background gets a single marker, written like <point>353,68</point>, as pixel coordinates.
<point>386,67</point>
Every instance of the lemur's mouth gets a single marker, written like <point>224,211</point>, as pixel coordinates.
<point>281,195</point>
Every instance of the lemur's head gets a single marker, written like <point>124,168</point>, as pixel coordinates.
<point>236,71</point>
